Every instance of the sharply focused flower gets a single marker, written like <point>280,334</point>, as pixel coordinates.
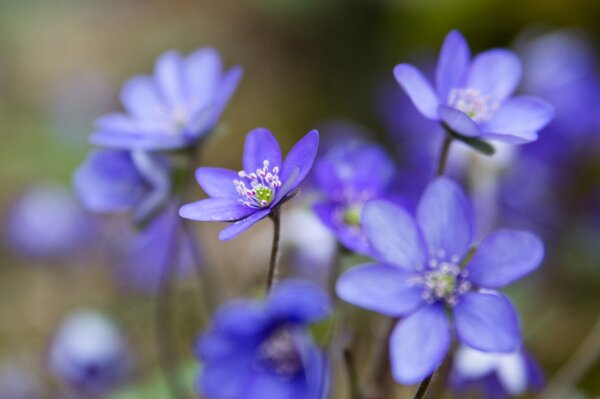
<point>494,375</point>
<point>120,181</point>
<point>252,194</point>
<point>348,175</point>
<point>472,98</point>
<point>173,109</point>
<point>47,222</point>
<point>89,353</point>
<point>258,350</point>
<point>426,267</point>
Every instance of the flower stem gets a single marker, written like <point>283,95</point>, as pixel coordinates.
<point>352,374</point>
<point>443,159</point>
<point>272,276</point>
<point>380,364</point>
<point>422,391</point>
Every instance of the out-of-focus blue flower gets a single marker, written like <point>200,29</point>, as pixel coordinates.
<point>142,256</point>
<point>89,353</point>
<point>119,181</point>
<point>420,275</point>
<point>257,350</point>
<point>348,175</point>
<point>17,382</point>
<point>177,106</point>
<point>252,194</point>
<point>473,97</point>
<point>494,375</point>
<point>47,222</point>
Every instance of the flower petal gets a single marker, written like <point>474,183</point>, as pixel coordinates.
<point>227,87</point>
<point>446,218</point>
<point>298,162</point>
<point>393,235</point>
<point>505,256</point>
<point>202,74</point>
<point>227,379</point>
<point>140,98</point>
<point>215,210</point>
<point>299,301</point>
<point>268,385</point>
<point>238,228</point>
<point>260,146</point>
<point>487,322</point>
<point>168,73</point>
<point>459,122</point>
<point>242,318</point>
<point>218,182</point>
<point>418,89</point>
<point>352,237</point>
<point>519,118</point>
<point>380,288</point>
<point>452,64</point>
<point>419,344</point>
<point>495,73</point>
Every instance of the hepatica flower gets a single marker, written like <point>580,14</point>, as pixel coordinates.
<point>472,98</point>
<point>172,109</point>
<point>348,175</point>
<point>425,268</point>
<point>257,350</point>
<point>247,196</point>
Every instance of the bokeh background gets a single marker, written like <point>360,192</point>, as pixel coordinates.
<point>305,62</point>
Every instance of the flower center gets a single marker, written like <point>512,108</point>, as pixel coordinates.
<point>279,354</point>
<point>442,279</point>
<point>473,103</point>
<point>262,186</point>
<point>352,215</point>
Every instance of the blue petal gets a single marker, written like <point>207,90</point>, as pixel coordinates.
<point>393,234</point>
<point>265,385</point>
<point>168,74</point>
<point>519,119</point>
<point>260,146</point>
<point>418,89</point>
<point>227,87</point>
<point>459,122</point>
<point>380,288</point>
<point>446,218</point>
<point>238,228</point>
<point>505,256</point>
<point>242,319</point>
<point>108,182</point>
<point>202,76</point>
<point>419,344</point>
<point>487,322</point>
<point>140,98</point>
<point>227,379</point>
<point>218,182</point>
<point>452,64</point>
<point>155,170</point>
<point>352,237</point>
<point>297,163</point>
<point>215,210</point>
<point>495,73</point>
<point>298,302</point>
<point>145,140</point>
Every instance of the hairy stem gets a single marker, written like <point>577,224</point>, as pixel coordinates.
<point>272,276</point>
<point>424,387</point>
<point>443,159</point>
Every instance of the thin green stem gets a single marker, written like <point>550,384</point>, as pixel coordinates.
<point>443,159</point>
<point>273,263</point>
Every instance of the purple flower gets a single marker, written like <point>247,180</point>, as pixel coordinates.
<point>257,350</point>
<point>47,222</point>
<point>421,274</point>
<point>173,109</point>
<point>119,181</point>
<point>349,175</point>
<point>250,195</point>
<point>497,375</point>
<point>472,98</point>
<point>89,353</point>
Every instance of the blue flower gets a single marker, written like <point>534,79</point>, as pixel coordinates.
<point>494,375</point>
<point>348,175</point>
<point>89,353</point>
<point>120,181</point>
<point>472,98</point>
<point>250,195</point>
<point>173,109</point>
<point>421,273</point>
<point>258,350</point>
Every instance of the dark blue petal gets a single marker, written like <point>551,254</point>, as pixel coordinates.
<point>261,146</point>
<point>297,163</point>
<point>419,344</point>
<point>238,228</point>
<point>216,210</point>
<point>218,182</point>
<point>487,322</point>
<point>242,319</point>
<point>380,288</point>
<point>298,302</point>
<point>505,256</point>
<point>418,89</point>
